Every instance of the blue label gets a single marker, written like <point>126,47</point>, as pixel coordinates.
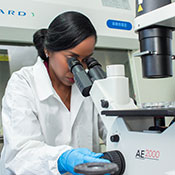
<point>122,25</point>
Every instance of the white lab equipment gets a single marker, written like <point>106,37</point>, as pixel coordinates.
<point>20,20</point>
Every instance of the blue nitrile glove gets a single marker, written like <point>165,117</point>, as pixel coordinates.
<point>69,159</point>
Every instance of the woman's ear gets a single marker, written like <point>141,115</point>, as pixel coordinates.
<point>46,53</point>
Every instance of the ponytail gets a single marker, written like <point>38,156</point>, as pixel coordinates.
<point>39,40</point>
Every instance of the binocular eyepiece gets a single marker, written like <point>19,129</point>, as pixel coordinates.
<point>85,80</point>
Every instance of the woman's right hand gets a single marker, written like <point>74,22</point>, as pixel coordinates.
<point>69,159</point>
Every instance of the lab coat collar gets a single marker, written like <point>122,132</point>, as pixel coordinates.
<point>45,89</point>
<point>42,80</point>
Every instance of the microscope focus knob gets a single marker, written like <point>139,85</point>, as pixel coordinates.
<point>118,158</point>
<point>115,138</point>
<point>104,104</point>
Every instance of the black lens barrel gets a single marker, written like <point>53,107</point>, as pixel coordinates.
<point>95,69</point>
<point>81,78</point>
<point>157,40</point>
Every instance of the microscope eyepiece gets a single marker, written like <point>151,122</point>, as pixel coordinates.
<point>95,70</point>
<point>73,62</point>
<point>91,62</point>
<point>81,78</point>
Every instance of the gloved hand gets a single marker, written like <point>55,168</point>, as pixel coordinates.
<point>69,159</point>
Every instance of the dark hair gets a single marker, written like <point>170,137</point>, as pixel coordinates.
<point>38,40</point>
<point>65,31</point>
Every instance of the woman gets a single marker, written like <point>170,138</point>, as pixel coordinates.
<point>48,125</point>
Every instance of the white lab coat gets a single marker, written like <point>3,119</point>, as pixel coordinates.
<point>38,127</point>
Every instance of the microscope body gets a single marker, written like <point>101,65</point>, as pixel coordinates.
<point>145,152</point>
<point>112,93</point>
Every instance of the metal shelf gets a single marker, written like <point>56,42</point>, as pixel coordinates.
<point>169,112</point>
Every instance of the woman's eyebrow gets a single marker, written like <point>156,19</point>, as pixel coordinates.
<point>74,54</point>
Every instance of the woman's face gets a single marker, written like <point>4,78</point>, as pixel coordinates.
<point>58,67</point>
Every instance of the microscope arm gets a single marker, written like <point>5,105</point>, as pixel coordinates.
<point>112,93</point>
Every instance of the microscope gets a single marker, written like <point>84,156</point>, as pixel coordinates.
<point>135,152</point>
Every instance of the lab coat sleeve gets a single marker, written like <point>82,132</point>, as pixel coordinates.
<point>25,150</point>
